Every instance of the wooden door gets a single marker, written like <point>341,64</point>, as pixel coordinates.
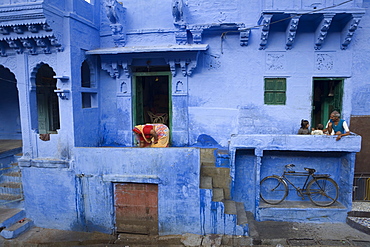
<point>136,208</point>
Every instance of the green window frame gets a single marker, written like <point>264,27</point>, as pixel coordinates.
<point>275,91</point>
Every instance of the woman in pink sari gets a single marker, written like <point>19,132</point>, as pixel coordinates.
<point>152,135</point>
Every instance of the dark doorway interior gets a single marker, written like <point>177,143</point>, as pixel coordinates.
<point>327,97</point>
<point>152,99</point>
<point>10,120</point>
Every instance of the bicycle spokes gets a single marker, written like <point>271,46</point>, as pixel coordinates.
<point>273,190</point>
<point>323,191</point>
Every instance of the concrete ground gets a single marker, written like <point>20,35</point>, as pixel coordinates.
<point>270,233</point>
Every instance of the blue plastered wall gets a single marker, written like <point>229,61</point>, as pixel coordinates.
<point>223,98</point>
<point>256,157</point>
<point>81,197</point>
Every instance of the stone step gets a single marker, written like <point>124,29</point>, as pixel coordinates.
<point>13,185</point>
<point>17,228</point>
<point>205,183</point>
<point>218,195</point>
<point>10,197</point>
<point>9,216</point>
<point>207,155</point>
<point>11,188</point>
<point>13,174</point>
<point>240,212</point>
<point>230,207</point>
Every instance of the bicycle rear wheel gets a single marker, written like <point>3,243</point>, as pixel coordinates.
<point>273,190</point>
<point>323,191</point>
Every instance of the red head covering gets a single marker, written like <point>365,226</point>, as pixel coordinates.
<point>146,131</point>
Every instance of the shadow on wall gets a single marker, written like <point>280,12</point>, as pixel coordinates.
<point>204,140</point>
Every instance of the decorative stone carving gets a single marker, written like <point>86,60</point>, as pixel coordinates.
<point>30,45</point>
<point>349,30</point>
<point>291,32</point>
<point>275,61</point>
<point>181,37</point>
<point>123,87</point>
<point>197,31</point>
<point>116,15</point>
<point>14,44</point>
<point>114,68</point>
<point>322,30</point>
<point>178,13</point>
<point>187,65</point>
<point>2,49</point>
<point>324,62</point>
<point>179,87</point>
<point>244,36</point>
<point>111,68</point>
<point>25,28</point>
<point>265,22</point>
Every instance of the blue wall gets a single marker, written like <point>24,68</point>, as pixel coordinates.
<point>222,96</point>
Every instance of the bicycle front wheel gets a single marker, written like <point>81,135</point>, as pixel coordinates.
<point>323,191</point>
<point>273,190</point>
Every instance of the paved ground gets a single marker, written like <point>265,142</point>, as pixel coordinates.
<point>270,233</point>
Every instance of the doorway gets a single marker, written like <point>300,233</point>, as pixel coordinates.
<point>10,122</point>
<point>327,97</point>
<point>136,208</point>
<point>151,98</point>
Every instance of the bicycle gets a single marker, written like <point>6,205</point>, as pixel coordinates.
<point>320,188</point>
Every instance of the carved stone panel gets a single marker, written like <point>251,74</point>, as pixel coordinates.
<point>324,61</point>
<point>275,61</point>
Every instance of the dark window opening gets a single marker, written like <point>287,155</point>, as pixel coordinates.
<point>47,101</point>
<point>85,75</point>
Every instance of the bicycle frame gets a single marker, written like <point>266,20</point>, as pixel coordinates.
<point>297,174</point>
<point>319,188</point>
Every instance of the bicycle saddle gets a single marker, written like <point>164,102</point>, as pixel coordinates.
<point>310,170</point>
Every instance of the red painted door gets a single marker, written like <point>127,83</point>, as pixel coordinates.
<point>136,208</point>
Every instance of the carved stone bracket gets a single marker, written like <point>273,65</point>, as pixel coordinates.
<point>181,37</point>
<point>244,36</point>
<point>265,22</point>
<point>187,65</point>
<point>114,68</point>
<point>33,39</point>
<point>322,30</point>
<point>197,31</point>
<point>291,32</point>
<point>116,14</point>
<point>349,30</point>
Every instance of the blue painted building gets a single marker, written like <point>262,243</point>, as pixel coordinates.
<point>233,80</point>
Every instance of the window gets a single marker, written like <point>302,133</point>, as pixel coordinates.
<point>88,94</point>
<point>85,75</point>
<point>47,101</point>
<point>275,91</point>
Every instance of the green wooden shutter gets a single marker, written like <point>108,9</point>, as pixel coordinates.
<point>275,89</point>
<point>42,113</point>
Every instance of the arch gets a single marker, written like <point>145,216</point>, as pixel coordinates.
<point>10,124</point>
<point>87,74</point>
<point>44,101</point>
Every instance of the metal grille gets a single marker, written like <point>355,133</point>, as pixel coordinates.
<point>361,189</point>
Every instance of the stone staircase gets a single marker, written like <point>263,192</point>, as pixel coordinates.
<point>11,183</point>
<point>215,176</point>
<point>13,221</point>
